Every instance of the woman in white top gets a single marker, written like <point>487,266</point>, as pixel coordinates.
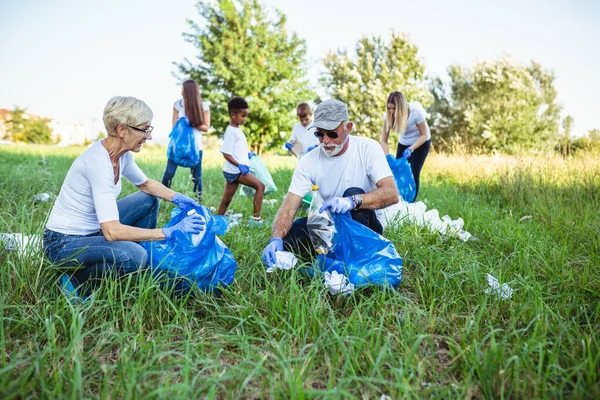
<point>414,138</point>
<point>197,112</point>
<point>89,230</point>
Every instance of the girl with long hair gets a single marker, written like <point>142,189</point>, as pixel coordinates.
<point>407,120</point>
<point>198,113</point>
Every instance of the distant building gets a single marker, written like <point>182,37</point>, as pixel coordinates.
<point>68,133</point>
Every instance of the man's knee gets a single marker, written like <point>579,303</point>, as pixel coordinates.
<point>353,190</point>
<point>133,257</point>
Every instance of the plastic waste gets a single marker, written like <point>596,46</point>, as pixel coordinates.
<point>405,181</point>
<point>259,169</point>
<point>320,225</point>
<point>362,255</point>
<point>182,146</point>
<point>22,244</point>
<point>337,283</point>
<point>285,260</point>
<point>417,213</point>
<point>503,291</point>
<point>202,260</point>
<point>42,197</point>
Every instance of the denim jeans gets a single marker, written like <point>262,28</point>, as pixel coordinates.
<point>298,240</point>
<point>92,257</point>
<point>416,160</point>
<point>196,175</point>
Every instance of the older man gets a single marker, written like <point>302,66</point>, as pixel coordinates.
<point>351,172</point>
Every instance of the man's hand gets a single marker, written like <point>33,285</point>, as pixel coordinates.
<point>289,145</point>
<point>193,224</point>
<point>407,153</point>
<point>182,201</point>
<point>244,169</point>
<point>338,205</point>
<point>269,254</point>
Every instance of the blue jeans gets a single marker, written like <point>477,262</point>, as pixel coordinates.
<point>196,175</point>
<point>92,257</point>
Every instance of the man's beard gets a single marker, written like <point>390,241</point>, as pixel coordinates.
<point>335,149</point>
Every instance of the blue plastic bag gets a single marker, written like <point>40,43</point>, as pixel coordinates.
<point>403,175</point>
<point>259,169</point>
<point>182,146</point>
<point>201,259</point>
<point>365,257</point>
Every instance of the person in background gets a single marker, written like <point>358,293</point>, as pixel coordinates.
<point>92,232</point>
<point>351,172</point>
<point>301,133</point>
<point>198,113</point>
<point>414,138</point>
<point>236,169</point>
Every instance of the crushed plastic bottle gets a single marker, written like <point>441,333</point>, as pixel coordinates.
<point>320,225</point>
<point>197,238</point>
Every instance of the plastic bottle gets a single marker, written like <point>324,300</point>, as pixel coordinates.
<point>197,238</point>
<point>320,225</point>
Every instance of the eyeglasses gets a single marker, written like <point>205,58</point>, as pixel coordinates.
<point>330,134</point>
<point>146,132</point>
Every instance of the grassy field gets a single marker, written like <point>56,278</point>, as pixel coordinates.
<point>535,223</point>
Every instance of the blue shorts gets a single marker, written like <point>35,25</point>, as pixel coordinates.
<point>231,177</point>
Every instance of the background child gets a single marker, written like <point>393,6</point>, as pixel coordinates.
<point>300,133</point>
<point>236,169</point>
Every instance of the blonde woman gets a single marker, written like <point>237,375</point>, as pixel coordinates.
<point>407,120</point>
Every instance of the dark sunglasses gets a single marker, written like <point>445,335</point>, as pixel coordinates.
<point>146,132</point>
<point>330,134</point>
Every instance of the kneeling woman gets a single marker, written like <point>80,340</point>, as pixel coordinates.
<point>88,229</point>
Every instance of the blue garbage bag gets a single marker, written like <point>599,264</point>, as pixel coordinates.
<point>182,146</point>
<point>259,169</point>
<point>364,256</point>
<point>202,260</point>
<point>405,180</point>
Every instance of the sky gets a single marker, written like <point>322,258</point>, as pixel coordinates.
<point>64,59</point>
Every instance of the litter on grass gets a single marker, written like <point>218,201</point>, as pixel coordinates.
<point>42,197</point>
<point>285,260</point>
<point>416,213</point>
<point>23,244</point>
<point>503,291</point>
<point>338,283</point>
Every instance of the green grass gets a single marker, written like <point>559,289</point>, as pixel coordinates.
<point>282,335</point>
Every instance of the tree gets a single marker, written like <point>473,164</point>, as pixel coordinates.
<point>498,105</point>
<point>364,81</point>
<point>22,126</point>
<point>243,52</point>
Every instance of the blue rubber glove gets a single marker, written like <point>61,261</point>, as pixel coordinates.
<point>407,153</point>
<point>251,154</point>
<point>311,148</point>
<point>390,158</point>
<point>289,145</point>
<point>244,169</point>
<point>193,224</point>
<point>338,205</point>
<point>182,201</point>
<point>269,256</point>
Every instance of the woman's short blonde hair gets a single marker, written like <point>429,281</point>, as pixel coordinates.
<point>121,110</point>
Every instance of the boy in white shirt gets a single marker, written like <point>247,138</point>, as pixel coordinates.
<point>236,169</point>
<point>300,133</point>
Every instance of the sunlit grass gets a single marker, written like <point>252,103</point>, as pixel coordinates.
<point>535,223</point>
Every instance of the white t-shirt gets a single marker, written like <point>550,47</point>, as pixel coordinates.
<point>362,166</point>
<point>88,196</point>
<point>416,115</point>
<point>236,145</point>
<point>305,137</point>
<point>180,107</point>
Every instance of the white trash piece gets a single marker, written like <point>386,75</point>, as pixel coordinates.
<point>23,244</point>
<point>197,237</point>
<point>503,291</point>
<point>42,197</point>
<point>416,213</point>
<point>270,202</point>
<point>285,260</point>
<point>338,283</point>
